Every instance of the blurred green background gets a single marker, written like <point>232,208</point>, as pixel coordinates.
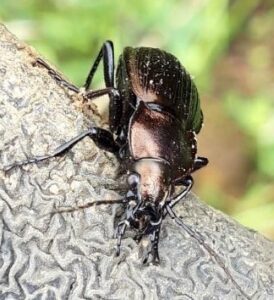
<point>227,46</point>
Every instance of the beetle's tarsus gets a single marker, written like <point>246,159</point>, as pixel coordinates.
<point>57,77</point>
<point>119,233</point>
<point>112,92</point>
<point>151,256</point>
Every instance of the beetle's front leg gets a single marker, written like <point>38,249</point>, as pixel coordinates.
<point>154,233</point>
<point>132,207</point>
<point>101,137</point>
<point>60,80</point>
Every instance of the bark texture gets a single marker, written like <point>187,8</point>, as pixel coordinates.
<point>71,256</point>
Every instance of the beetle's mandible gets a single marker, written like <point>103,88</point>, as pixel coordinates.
<point>154,116</point>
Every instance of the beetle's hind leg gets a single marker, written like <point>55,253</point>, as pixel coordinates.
<point>57,77</point>
<point>101,137</point>
<point>106,54</point>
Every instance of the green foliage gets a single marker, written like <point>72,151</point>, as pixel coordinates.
<point>70,32</point>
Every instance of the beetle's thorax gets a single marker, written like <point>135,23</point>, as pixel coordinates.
<point>154,184</point>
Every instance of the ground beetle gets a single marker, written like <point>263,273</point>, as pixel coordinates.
<point>154,116</point>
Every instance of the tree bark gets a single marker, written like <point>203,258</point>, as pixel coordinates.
<point>71,255</point>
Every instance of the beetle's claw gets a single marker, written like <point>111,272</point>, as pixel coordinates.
<point>156,258</point>
<point>137,238</point>
<point>118,250</point>
<point>119,232</point>
<point>151,257</point>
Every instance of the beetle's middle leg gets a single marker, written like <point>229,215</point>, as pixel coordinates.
<point>106,54</point>
<point>101,137</point>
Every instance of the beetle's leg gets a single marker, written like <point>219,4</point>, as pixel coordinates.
<point>188,183</point>
<point>184,180</point>
<point>107,54</point>
<point>60,80</point>
<point>115,105</point>
<point>120,231</point>
<point>104,139</point>
<point>138,237</point>
<point>112,92</point>
<point>101,137</point>
<point>199,163</point>
<point>154,240</point>
<point>132,207</point>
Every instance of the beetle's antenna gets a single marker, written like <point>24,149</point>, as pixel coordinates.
<point>87,205</point>
<point>198,237</point>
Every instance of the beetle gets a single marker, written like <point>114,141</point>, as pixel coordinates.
<point>154,117</point>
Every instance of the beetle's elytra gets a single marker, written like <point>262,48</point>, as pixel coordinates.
<point>154,116</point>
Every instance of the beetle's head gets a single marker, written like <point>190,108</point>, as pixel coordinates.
<point>150,182</point>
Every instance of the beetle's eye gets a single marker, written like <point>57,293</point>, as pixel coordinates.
<point>133,180</point>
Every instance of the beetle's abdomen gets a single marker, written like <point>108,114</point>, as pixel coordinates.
<point>157,76</point>
<point>159,135</point>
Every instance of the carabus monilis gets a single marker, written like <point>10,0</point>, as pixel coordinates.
<point>154,116</point>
